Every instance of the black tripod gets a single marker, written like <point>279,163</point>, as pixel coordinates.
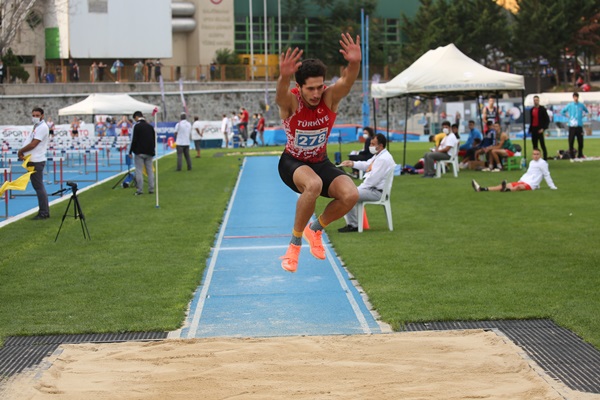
<point>77,213</point>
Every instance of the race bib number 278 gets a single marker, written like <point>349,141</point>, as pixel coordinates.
<point>308,140</point>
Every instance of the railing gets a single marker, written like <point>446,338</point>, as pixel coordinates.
<point>52,73</point>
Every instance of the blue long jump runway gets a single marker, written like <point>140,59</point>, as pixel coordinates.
<point>246,293</point>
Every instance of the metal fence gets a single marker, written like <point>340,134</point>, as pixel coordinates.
<point>56,73</point>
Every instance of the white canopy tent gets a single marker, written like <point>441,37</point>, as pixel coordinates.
<point>444,70</point>
<point>447,69</point>
<point>120,104</point>
<point>550,99</point>
<point>100,103</point>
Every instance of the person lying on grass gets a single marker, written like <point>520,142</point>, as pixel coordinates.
<point>538,169</point>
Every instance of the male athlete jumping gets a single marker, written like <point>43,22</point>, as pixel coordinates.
<point>308,112</point>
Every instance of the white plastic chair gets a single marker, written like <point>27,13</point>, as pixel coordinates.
<point>383,201</point>
<point>441,165</point>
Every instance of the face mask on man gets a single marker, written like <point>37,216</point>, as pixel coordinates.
<point>445,130</point>
<point>372,149</point>
<point>35,120</point>
<point>365,135</point>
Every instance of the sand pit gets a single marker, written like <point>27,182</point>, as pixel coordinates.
<point>415,365</point>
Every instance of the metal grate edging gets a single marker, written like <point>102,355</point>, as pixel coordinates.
<point>20,353</point>
<point>562,354</point>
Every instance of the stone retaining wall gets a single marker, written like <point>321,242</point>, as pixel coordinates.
<point>209,102</point>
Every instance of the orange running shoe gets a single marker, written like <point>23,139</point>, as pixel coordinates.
<point>315,241</point>
<point>289,261</point>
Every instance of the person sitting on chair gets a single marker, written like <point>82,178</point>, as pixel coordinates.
<point>444,151</point>
<point>371,189</point>
<point>437,139</point>
<point>364,154</point>
<point>504,148</point>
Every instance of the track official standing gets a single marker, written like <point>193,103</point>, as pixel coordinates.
<point>143,145</point>
<point>539,124</point>
<point>36,145</point>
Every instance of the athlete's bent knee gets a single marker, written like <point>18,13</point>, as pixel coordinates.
<point>311,186</point>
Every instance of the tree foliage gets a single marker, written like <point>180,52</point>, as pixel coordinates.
<point>11,61</point>
<point>477,27</point>
<point>553,30</point>
<point>12,15</point>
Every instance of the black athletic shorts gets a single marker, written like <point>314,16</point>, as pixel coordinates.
<point>325,169</point>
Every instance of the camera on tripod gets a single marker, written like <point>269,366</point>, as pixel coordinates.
<point>77,212</point>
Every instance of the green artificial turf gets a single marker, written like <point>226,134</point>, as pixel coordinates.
<point>454,254</point>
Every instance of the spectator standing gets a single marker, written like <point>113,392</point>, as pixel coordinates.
<point>213,70</point>
<point>243,124</point>
<point>226,129</point>
<point>36,145</point>
<point>110,127</point>
<point>539,121</point>
<point>71,70</point>
<point>38,71</point>
<point>260,128</point>
<point>235,121</point>
<point>75,72</point>
<point>116,69</point>
<point>377,169</point>
<point>101,68</point>
<point>149,65</point>
<point>100,127</point>
<point>75,127</point>
<point>94,71</point>
<point>197,134</point>
<point>157,69</point>
<point>124,125</point>
<point>575,111</point>
<point>137,72</point>
<point>183,133</point>
<point>2,72</point>
<point>143,145</point>
<point>254,123</point>
<point>491,112</point>
<point>50,124</point>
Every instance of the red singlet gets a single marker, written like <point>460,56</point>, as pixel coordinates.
<point>307,131</point>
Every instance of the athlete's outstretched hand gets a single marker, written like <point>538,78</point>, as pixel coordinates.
<point>289,62</point>
<point>350,50</point>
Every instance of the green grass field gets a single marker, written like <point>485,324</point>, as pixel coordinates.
<point>453,255</point>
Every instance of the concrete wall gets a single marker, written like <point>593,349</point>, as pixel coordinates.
<point>207,101</point>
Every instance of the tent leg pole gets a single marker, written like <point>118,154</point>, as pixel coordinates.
<point>387,118</point>
<point>524,133</point>
<point>405,132</point>
<point>374,116</point>
<point>477,94</point>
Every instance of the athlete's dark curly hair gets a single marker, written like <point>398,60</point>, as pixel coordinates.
<point>311,68</point>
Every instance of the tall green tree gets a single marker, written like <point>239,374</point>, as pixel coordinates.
<point>552,30</point>
<point>418,32</point>
<point>476,27</point>
<point>337,17</point>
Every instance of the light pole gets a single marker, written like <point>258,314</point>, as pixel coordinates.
<point>251,62</point>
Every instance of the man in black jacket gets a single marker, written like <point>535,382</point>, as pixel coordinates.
<point>538,125</point>
<point>143,144</point>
